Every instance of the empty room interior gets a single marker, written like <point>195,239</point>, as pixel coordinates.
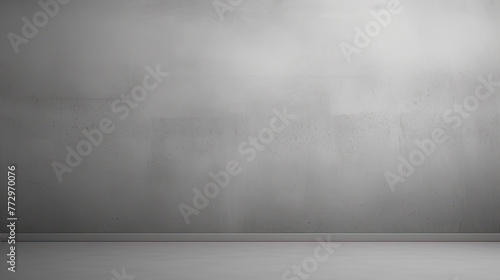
<point>250,139</point>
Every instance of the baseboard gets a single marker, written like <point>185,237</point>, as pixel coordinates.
<point>254,237</point>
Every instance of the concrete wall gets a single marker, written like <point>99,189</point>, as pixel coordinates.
<point>324,172</point>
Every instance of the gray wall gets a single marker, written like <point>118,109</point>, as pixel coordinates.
<point>323,173</point>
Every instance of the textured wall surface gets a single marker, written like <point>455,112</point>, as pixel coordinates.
<point>230,70</point>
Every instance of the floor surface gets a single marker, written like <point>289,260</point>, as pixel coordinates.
<point>266,260</point>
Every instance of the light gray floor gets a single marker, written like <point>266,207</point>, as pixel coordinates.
<point>265,260</point>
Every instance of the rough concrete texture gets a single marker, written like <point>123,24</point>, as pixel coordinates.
<point>323,173</point>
